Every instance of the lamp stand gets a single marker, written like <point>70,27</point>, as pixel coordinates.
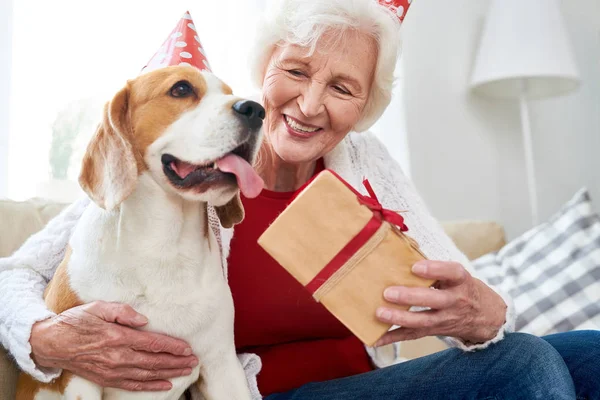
<point>528,147</point>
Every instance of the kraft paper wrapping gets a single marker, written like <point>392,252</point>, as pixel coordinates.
<point>324,217</point>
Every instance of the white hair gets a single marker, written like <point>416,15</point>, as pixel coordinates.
<point>303,22</point>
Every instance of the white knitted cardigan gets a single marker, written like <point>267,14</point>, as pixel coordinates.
<point>25,274</point>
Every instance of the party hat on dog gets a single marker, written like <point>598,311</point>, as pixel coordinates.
<point>182,47</point>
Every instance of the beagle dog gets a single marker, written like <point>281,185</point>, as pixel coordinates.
<point>172,142</point>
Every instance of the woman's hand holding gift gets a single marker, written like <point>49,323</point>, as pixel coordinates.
<point>460,306</point>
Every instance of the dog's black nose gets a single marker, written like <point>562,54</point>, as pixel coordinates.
<point>250,111</point>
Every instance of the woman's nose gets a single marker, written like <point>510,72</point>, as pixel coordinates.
<point>311,101</point>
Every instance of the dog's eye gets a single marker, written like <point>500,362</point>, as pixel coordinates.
<point>181,89</point>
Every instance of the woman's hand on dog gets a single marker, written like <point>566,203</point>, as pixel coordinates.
<point>98,341</point>
<point>462,306</point>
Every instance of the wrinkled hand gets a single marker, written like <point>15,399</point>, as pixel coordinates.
<point>462,306</point>
<point>97,342</point>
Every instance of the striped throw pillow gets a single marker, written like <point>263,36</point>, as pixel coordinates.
<point>552,271</point>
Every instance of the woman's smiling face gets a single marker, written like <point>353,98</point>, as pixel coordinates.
<point>313,101</point>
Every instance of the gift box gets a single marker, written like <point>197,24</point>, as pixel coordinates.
<point>345,248</point>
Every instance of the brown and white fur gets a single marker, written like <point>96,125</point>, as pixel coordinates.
<point>145,241</point>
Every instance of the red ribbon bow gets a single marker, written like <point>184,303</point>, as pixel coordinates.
<point>374,205</point>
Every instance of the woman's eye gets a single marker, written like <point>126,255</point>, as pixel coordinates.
<point>341,89</point>
<point>295,72</point>
<point>181,89</point>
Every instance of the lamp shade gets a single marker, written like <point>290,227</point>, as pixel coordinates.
<point>524,50</point>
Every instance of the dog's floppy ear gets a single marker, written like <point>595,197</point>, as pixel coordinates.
<point>109,171</point>
<point>231,213</point>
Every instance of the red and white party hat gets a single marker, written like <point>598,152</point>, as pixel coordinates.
<point>399,7</point>
<point>182,47</point>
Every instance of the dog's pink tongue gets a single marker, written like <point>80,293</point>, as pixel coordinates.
<point>248,180</point>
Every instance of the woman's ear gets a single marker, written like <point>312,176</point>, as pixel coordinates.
<point>109,171</point>
<point>231,213</point>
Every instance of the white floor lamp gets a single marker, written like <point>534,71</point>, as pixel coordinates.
<point>524,54</point>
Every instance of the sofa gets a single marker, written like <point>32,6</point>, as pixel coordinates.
<point>19,220</point>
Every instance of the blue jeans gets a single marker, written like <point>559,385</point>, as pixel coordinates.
<point>560,366</point>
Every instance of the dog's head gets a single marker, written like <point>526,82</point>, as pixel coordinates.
<point>186,129</point>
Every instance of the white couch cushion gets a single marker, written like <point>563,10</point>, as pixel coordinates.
<point>19,220</point>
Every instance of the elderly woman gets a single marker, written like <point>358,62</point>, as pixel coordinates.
<point>326,72</point>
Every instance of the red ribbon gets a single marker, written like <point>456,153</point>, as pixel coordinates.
<point>380,214</point>
<point>373,203</point>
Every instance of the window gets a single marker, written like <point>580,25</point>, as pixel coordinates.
<point>5,67</point>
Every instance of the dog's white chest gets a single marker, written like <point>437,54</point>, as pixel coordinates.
<point>165,268</point>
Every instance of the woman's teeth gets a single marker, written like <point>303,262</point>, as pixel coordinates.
<point>298,126</point>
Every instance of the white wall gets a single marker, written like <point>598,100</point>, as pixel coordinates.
<point>466,152</point>
<point>5,67</point>
<point>391,126</point>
